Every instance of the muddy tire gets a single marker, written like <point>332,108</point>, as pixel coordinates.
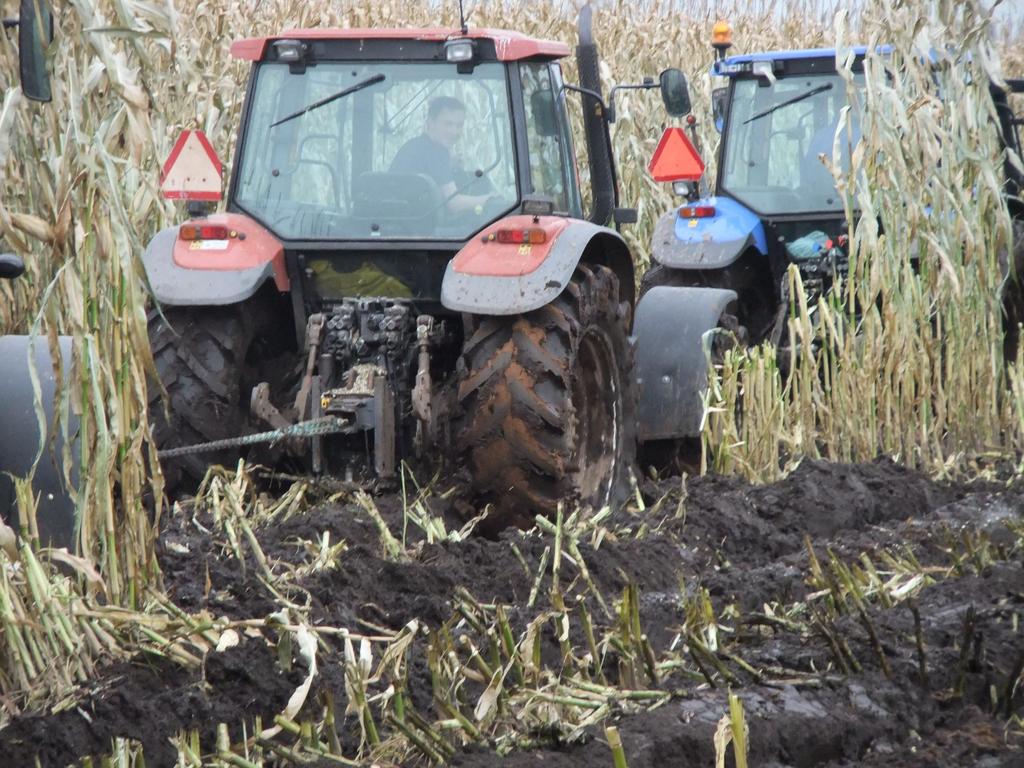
<point>548,404</point>
<point>200,355</point>
<point>659,275</point>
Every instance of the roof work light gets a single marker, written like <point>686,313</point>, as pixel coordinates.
<point>721,37</point>
<point>458,51</point>
<point>765,69</point>
<point>290,51</point>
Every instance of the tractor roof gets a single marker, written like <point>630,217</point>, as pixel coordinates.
<point>734,65</point>
<point>509,46</point>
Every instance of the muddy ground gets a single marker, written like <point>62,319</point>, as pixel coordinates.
<point>952,699</point>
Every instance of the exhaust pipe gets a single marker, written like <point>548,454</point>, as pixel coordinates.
<point>602,166</point>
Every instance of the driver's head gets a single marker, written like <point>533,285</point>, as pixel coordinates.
<point>445,117</point>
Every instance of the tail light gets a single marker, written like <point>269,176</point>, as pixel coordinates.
<point>697,211</point>
<point>203,232</point>
<point>531,236</point>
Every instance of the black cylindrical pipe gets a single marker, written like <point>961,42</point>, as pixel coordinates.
<point>602,169</point>
<point>23,448</point>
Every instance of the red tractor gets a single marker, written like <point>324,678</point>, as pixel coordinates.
<point>405,268</point>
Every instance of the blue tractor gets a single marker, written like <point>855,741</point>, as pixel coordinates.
<point>721,259</point>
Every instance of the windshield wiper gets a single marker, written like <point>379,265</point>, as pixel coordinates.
<point>372,80</point>
<point>787,102</point>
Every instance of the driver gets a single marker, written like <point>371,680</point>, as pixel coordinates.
<point>430,153</point>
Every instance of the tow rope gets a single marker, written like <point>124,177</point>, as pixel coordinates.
<point>312,428</point>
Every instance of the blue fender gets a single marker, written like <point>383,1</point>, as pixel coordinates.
<point>713,242</point>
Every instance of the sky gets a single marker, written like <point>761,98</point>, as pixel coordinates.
<point>1010,12</point>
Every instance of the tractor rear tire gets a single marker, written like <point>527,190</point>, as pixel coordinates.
<point>200,356</point>
<point>548,404</point>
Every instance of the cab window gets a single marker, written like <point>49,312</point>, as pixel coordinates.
<point>553,170</point>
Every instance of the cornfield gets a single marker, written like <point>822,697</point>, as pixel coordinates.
<point>919,374</point>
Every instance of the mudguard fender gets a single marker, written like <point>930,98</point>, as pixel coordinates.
<point>714,242</point>
<point>55,512</point>
<point>214,272</point>
<point>671,365</point>
<point>487,277</point>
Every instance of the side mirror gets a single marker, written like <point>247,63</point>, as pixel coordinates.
<point>35,31</point>
<point>10,266</point>
<point>719,104</point>
<point>675,92</point>
<point>544,112</point>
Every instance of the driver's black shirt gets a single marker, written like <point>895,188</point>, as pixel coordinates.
<point>424,155</point>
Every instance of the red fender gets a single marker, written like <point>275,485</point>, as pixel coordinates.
<point>485,255</point>
<point>501,272</point>
<point>247,245</point>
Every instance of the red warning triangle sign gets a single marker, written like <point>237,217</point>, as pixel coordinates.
<point>193,171</point>
<point>675,159</point>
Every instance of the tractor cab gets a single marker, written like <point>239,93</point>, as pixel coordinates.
<point>783,117</point>
<point>366,137</point>
<point>778,117</point>
<point>375,155</point>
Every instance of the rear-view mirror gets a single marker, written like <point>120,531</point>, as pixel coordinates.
<point>35,31</point>
<point>10,266</point>
<point>675,92</point>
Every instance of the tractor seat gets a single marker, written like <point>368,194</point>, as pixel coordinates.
<point>396,203</point>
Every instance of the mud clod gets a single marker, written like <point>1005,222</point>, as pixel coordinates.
<point>151,700</point>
